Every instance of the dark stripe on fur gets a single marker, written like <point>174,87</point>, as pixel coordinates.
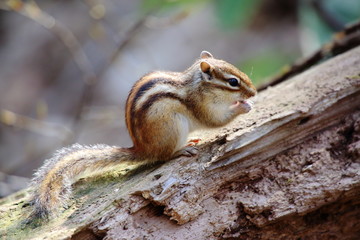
<point>142,90</point>
<point>142,112</point>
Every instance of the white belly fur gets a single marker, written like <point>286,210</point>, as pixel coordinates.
<point>184,128</point>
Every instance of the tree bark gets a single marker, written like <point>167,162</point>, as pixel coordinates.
<point>289,169</point>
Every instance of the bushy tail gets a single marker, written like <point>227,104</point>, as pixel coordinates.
<point>52,182</point>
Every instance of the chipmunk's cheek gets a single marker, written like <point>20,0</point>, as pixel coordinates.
<point>243,106</point>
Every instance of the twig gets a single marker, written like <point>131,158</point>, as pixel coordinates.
<point>41,127</point>
<point>32,11</point>
<point>90,78</point>
<point>125,41</point>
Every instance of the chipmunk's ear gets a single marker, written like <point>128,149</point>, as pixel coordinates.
<point>205,67</point>
<point>206,54</point>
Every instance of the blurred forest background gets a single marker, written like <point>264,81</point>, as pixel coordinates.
<point>67,66</point>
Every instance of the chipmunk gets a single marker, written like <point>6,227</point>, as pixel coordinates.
<point>161,110</point>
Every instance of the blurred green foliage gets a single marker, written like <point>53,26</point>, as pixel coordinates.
<point>235,13</point>
<point>262,66</point>
<point>345,10</point>
<point>230,13</point>
<point>166,5</point>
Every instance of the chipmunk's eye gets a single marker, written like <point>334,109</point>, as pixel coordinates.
<point>233,82</point>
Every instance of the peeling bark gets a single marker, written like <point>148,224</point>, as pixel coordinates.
<point>290,169</point>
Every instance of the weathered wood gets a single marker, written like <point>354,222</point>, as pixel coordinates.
<point>282,171</point>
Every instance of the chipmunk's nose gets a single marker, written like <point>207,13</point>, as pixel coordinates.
<point>250,92</point>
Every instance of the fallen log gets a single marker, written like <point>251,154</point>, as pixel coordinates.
<point>290,169</point>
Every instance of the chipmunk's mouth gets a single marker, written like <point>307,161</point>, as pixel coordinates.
<point>241,102</point>
<point>243,105</point>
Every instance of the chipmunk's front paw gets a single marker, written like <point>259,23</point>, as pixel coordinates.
<point>243,106</point>
<point>193,142</point>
